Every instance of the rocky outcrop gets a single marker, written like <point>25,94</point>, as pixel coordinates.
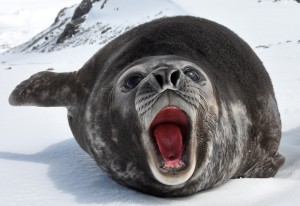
<point>78,17</point>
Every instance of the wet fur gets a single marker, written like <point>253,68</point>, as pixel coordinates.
<point>241,140</point>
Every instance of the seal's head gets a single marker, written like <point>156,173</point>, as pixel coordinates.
<point>172,107</point>
<point>172,101</point>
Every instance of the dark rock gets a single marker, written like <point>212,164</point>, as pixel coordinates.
<point>77,18</point>
<point>70,30</point>
<point>83,8</point>
<point>103,4</point>
<point>262,47</point>
<point>105,30</point>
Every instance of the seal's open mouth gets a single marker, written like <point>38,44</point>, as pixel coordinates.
<point>170,129</point>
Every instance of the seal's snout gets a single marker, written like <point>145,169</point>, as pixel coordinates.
<point>166,78</point>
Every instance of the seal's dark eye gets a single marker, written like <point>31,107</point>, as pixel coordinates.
<point>192,74</point>
<point>132,81</point>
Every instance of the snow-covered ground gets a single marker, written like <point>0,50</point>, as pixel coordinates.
<point>40,162</point>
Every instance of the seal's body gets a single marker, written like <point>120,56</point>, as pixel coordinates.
<point>170,108</point>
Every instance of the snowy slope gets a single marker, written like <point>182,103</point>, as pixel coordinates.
<point>41,164</point>
<point>105,20</point>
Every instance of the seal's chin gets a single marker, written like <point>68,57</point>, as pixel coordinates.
<point>170,134</point>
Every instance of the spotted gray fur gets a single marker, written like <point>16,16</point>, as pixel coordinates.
<point>235,125</point>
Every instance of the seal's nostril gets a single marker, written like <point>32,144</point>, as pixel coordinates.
<point>175,77</point>
<point>166,78</point>
<point>159,80</point>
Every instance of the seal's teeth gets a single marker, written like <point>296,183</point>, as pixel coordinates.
<point>175,164</point>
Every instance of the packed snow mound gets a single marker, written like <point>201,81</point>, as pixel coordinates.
<point>97,22</point>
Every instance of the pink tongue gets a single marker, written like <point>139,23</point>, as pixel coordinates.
<point>169,140</point>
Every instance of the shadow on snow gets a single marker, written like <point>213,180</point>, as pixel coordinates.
<point>73,171</point>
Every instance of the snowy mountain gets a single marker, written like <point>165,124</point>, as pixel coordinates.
<point>41,163</point>
<point>97,22</point>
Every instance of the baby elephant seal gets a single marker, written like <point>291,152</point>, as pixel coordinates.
<point>170,108</point>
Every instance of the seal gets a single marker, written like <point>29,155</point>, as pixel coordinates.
<point>172,107</point>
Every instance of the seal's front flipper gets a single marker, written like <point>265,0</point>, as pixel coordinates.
<point>46,89</point>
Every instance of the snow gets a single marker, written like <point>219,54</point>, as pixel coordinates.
<point>120,11</point>
<point>40,162</point>
<point>106,20</point>
<point>22,19</point>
